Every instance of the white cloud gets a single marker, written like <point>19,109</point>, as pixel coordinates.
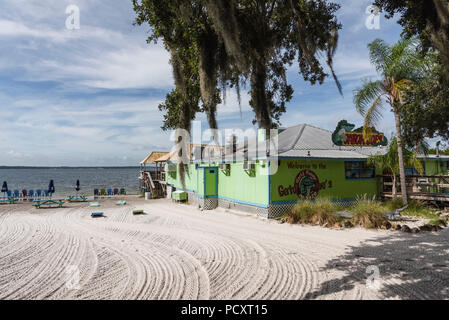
<point>90,96</point>
<point>127,68</point>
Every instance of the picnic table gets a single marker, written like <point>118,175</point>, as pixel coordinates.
<point>7,200</point>
<point>48,203</point>
<point>77,198</point>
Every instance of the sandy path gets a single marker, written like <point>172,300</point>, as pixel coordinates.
<point>178,252</point>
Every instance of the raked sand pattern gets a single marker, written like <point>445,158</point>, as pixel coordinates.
<point>178,252</point>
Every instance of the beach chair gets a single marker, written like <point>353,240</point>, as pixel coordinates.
<point>116,192</point>
<point>123,191</point>
<point>96,192</point>
<point>9,193</point>
<point>38,193</point>
<point>103,192</point>
<point>16,194</point>
<point>47,194</point>
<point>109,192</point>
<point>31,193</point>
<point>24,193</point>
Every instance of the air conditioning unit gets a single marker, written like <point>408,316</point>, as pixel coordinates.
<point>247,166</point>
<point>225,166</point>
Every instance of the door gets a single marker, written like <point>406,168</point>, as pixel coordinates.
<point>211,182</point>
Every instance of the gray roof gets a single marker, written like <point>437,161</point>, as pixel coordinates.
<point>441,157</point>
<point>304,141</point>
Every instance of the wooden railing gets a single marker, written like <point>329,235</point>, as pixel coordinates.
<point>423,187</point>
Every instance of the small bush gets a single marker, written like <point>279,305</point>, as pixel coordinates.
<point>394,204</point>
<point>321,212</point>
<point>415,208</point>
<point>369,214</point>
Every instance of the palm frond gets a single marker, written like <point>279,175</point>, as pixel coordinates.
<point>367,94</point>
<point>380,54</point>
<point>398,88</point>
<point>372,116</point>
<point>406,61</point>
<point>413,161</point>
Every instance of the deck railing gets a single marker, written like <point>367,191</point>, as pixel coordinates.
<point>420,187</point>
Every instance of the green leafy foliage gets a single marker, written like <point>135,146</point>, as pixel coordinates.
<point>219,44</point>
<point>428,19</point>
<point>425,113</point>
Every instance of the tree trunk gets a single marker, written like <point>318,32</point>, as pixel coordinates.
<point>439,30</point>
<point>393,191</point>
<point>400,156</point>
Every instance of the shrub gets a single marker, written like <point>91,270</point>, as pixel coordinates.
<point>320,212</point>
<point>394,204</point>
<point>369,214</point>
<point>420,209</point>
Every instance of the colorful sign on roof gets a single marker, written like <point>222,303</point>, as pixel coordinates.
<point>345,135</point>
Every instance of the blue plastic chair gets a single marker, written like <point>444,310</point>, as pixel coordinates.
<point>47,194</point>
<point>9,193</point>
<point>110,192</point>
<point>31,194</point>
<point>16,194</point>
<point>39,193</point>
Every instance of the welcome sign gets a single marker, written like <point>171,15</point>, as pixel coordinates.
<point>344,135</point>
<point>306,186</point>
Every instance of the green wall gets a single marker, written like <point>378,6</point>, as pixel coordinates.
<point>191,178</point>
<point>435,167</point>
<point>249,187</point>
<point>332,183</point>
<point>236,184</point>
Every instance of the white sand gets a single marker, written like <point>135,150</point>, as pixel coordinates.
<point>178,252</point>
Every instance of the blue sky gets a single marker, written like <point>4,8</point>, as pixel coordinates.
<point>89,97</point>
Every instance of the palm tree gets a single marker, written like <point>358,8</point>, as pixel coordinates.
<point>398,65</point>
<point>389,163</point>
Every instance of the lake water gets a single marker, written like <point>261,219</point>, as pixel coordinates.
<point>65,179</point>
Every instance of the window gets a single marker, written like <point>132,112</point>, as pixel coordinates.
<point>359,170</point>
<point>412,170</point>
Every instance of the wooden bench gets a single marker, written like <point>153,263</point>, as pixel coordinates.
<point>49,203</point>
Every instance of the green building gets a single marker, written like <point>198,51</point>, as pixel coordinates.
<point>303,163</point>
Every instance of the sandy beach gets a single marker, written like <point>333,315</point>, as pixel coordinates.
<point>177,252</point>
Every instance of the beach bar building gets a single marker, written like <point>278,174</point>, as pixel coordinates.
<point>303,163</point>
